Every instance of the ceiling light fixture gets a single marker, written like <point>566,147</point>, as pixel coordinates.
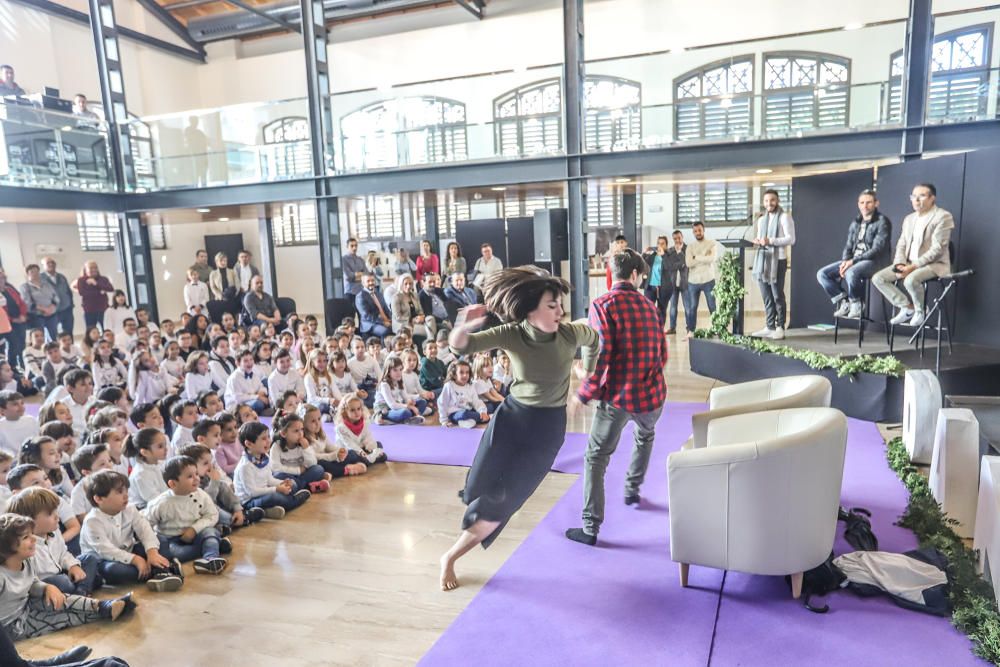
<point>764,171</point>
<point>623,180</point>
<point>652,192</point>
<point>854,26</point>
<point>767,185</point>
<point>204,210</point>
<point>223,219</point>
<point>498,189</point>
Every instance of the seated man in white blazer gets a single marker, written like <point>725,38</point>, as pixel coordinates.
<point>921,255</point>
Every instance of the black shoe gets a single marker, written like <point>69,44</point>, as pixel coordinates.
<point>112,610</point>
<point>210,565</point>
<point>176,568</point>
<point>581,536</point>
<point>225,546</point>
<point>302,495</point>
<point>632,499</point>
<point>225,531</point>
<point>670,332</point>
<point>254,514</point>
<point>74,655</point>
<point>164,582</point>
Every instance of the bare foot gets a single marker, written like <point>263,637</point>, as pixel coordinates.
<point>449,581</point>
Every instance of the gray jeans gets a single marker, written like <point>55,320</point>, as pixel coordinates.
<point>886,282</point>
<point>605,432</point>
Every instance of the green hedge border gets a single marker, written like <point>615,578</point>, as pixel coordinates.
<point>728,293</point>
<point>974,608</point>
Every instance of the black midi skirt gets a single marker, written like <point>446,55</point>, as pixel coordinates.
<point>517,450</point>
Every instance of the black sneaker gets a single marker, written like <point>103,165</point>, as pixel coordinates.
<point>632,499</point>
<point>225,546</point>
<point>254,514</point>
<point>177,568</point>
<point>164,583</point>
<point>210,565</point>
<point>113,609</point>
<point>225,531</point>
<point>302,495</point>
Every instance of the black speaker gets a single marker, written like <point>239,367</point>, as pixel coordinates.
<point>551,235</point>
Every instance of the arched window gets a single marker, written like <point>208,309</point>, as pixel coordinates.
<point>959,76</point>
<point>286,151</point>
<point>714,101</point>
<point>528,120</point>
<point>404,131</point>
<point>805,91</point>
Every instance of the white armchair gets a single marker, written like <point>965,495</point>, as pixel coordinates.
<point>762,497</point>
<point>794,391</point>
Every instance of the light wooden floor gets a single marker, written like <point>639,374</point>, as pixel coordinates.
<point>351,578</point>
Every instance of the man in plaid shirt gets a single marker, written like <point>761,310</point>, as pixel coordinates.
<point>627,383</point>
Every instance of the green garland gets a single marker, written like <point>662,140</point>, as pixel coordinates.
<point>974,608</point>
<point>728,293</point>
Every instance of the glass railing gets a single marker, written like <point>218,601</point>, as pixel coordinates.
<point>512,114</point>
<point>42,148</point>
<point>781,114</point>
<point>245,143</point>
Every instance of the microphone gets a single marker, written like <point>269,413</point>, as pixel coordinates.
<point>960,274</point>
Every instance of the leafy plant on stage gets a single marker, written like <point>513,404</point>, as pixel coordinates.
<point>974,608</point>
<point>728,293</point>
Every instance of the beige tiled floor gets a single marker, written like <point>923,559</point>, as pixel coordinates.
<point>351,578</point>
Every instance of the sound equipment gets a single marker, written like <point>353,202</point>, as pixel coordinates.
<point>551,235</point>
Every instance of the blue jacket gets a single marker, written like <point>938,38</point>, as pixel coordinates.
<point>466,297</point>
<point>367,309</point>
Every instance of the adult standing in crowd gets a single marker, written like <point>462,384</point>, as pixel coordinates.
<point>354,269</point>
<point>866,249</point>
<point>459,293</point>
<point>775,235</point>
<point>701,257</point>
<point>373,312</point>
<point>620,243</point>
<point>427,262</point>
<point>222,282</point>
<point>658,287</point>
<point>245,271</point>
<point>261,306</point>
<point>93,289</point>
<point>8,86</point>
<point>678,268</point>
<point>17,313</point>
<point>403,265</point>
<point>201,266</point>
<point>58,282</point>
<point>628,384</point>
<point>454,262</point>
<point>42,302</point>
<point>486,265</point>
<point>921,255</point>
<point>528,429</point>
<point>373,266</point>
<point>407,312</point>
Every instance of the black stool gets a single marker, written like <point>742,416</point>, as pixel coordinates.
<point>865,315</point>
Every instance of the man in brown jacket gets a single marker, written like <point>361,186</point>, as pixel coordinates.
<point>921,255</point>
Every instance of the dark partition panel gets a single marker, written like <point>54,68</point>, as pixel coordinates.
<point>824,207</point>
<point>471,234</point>
<point>520,241</point>
<point>978,316</point>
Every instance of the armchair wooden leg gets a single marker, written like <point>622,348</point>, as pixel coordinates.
<point>683,568</point>
<point>797,585</point>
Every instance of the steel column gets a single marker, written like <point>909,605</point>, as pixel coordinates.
<point>315,38</point>
<point>109,69</point>
<point>573,79</point>
<point>137,260</point>
<point>916,77</point>
<point>629,218</point>
<point>431,229</point>
<point>265,227</point>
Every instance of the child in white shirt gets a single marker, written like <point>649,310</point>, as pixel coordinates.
<point>292,457</point>
<point>184,414</point>
<point>245,386</point>
<point>365,370</point>
<point>15,426</point>
<point>195,293</point>
<point>391,400</point>
<point>254,480</point>
<point>148,448</point>
<point>284,378</point>
<point>459,404</point>
<point>354,433</point>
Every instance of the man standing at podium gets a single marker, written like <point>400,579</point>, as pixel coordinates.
<point>775,234</point>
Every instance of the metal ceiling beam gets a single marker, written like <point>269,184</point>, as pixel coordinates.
<point>473,9</point>
<point>264,15</point>
<point>171,22</point>
<point>62,11</point>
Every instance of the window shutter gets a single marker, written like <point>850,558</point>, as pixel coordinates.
<point>97,231</point>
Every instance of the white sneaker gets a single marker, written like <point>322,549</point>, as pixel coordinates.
<point>843,306</point>
<point>467,423</point>
<point>763,333</point>
<point>779,334</point>
<point>428,411</point>
<point>854,312</point>
<point>902,317</point>
<point>918,318</point>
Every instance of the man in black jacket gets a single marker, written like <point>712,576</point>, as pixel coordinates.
<point>865,251</point>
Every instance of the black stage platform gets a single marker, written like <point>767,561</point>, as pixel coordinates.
<point>969,370</point>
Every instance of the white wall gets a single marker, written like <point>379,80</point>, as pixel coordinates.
<point>19,246</point>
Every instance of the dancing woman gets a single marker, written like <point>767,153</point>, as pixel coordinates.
<point>521,442</point>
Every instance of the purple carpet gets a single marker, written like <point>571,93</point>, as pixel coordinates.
<point>555,602</point>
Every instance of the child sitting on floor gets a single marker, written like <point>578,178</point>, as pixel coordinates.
<point>292,457</point>
<point>411,380</point>
<point>6,462</point>
<point>392,403</point>
<point>254,482</point>
<point>184,414</point>
<point>15,427</point>
<point>432,369</point>
<point>230,451</point>
<point>148,448</point>
<point>31,608</point>
<point>335,458</point>
<point>459,403</point>
<point>353,431</point>
<point>88,460</point>
<point>220,490</point>
<point>483,382</point>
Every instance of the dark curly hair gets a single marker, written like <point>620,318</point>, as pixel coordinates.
<point>512,293</point>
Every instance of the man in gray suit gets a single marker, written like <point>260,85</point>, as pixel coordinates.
<point>921,254</point>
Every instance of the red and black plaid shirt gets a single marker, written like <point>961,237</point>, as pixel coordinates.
<point>629,372</point>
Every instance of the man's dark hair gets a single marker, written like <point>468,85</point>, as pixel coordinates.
<point>772,191</point>
<point>621,237</point>
<point>625,263</point>
<point>869,192</point>
<point>929,186</point>
<point>697,223</point>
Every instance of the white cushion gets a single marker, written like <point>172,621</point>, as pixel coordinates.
<point>921,402</point>
<point>987,534</point>
<point>955,467</point>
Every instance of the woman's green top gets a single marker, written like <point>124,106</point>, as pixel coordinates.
<point>541,362</point>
